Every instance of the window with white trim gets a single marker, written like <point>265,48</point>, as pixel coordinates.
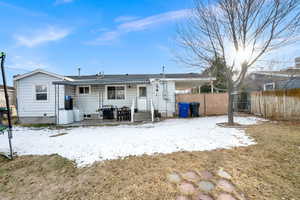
<point>41,92</point>
<point>269,86</point>
<point>115,92</point>
<point>83,90</point>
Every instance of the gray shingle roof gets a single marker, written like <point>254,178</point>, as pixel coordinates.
<point>124,78</point>
<point>285,72</point>
<point>8,87</point>
<point>289,84</point>
<point>105,81</point>
<point>138,76</point>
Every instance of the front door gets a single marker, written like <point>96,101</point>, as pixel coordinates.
<point>142,98</point>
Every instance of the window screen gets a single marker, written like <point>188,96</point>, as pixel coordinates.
<point>115,92</point>
<point>84,90</point>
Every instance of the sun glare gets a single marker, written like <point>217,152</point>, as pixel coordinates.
<point>243,55</point>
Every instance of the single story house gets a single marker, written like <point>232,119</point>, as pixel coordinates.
<point>42,95</point>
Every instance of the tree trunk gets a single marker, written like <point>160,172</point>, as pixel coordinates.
<point>230,103</point>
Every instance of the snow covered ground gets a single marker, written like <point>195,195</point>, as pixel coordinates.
<point>86,145</point>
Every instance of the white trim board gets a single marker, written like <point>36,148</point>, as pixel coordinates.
<point>43,72</point>
<point>185,79</point>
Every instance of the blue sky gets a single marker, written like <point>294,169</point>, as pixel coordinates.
<point>110,36</point>
<point>114,36</point>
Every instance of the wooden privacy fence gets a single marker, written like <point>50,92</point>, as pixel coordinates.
<point>210,104</point>
<point>279,104</point>
<point>12,107</point>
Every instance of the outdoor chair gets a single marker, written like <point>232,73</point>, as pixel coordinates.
<point>123,114</point>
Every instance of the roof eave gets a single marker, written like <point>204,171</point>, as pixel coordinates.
<point>41,71</point>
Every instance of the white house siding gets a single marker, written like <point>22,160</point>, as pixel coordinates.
<point>89,103</point>
<point>28,106</point>
<point>164,105</point>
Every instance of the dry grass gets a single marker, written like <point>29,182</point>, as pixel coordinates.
<point>268,170</point>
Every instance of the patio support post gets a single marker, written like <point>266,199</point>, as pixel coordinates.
<point>58,104</point>
<point>55,104</point>
<point>212,86</point>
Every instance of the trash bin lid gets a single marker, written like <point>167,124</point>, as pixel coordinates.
<point>183,103</point>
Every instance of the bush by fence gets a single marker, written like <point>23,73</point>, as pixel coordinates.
<point>279,104</point>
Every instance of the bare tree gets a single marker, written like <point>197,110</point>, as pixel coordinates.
<point>240,32</point>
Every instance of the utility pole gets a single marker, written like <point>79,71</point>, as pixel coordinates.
<point>2,56</point>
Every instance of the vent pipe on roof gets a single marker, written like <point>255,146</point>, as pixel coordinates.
<point>100,75</point>
<point>297,62</point>
<point>79,69</point>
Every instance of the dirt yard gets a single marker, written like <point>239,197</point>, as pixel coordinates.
<point>268,170</point>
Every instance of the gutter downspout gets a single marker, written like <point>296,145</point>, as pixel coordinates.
<point>55,103</point>
<point>58,105</point>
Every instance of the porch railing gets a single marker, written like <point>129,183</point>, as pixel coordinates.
<point>132,110</point>
<point>152,110</point>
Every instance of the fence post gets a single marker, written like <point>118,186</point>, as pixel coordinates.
<point>265,105</point>
<point>204,98</point>
<point>284,104</point>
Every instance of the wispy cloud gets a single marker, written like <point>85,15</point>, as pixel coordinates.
<point>154,20</point>
<point>40,36</point>
<point>139,25</point>
<point>22,10</point>
<point>57,2</point>
<point>25,63</point>
<point>125,18</point>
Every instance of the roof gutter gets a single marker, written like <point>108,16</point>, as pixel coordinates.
<point>276,74</point>
<point>185,79</point>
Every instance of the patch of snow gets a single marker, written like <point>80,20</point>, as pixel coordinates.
<point>86,145</point>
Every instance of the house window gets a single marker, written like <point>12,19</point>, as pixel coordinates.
<point>41,92</point>
<point>269,86</point>
<point>84,90</point>
<point>116,92</point>
<point>142,91</point>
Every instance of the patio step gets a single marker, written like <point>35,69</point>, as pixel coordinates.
<point>142,116</point>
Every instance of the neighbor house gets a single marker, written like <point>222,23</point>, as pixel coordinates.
<point>288,78</point>
<point>11,96</point>
<point>44,97</point>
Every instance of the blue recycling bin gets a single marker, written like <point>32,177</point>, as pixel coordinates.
<point>184,109</point>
